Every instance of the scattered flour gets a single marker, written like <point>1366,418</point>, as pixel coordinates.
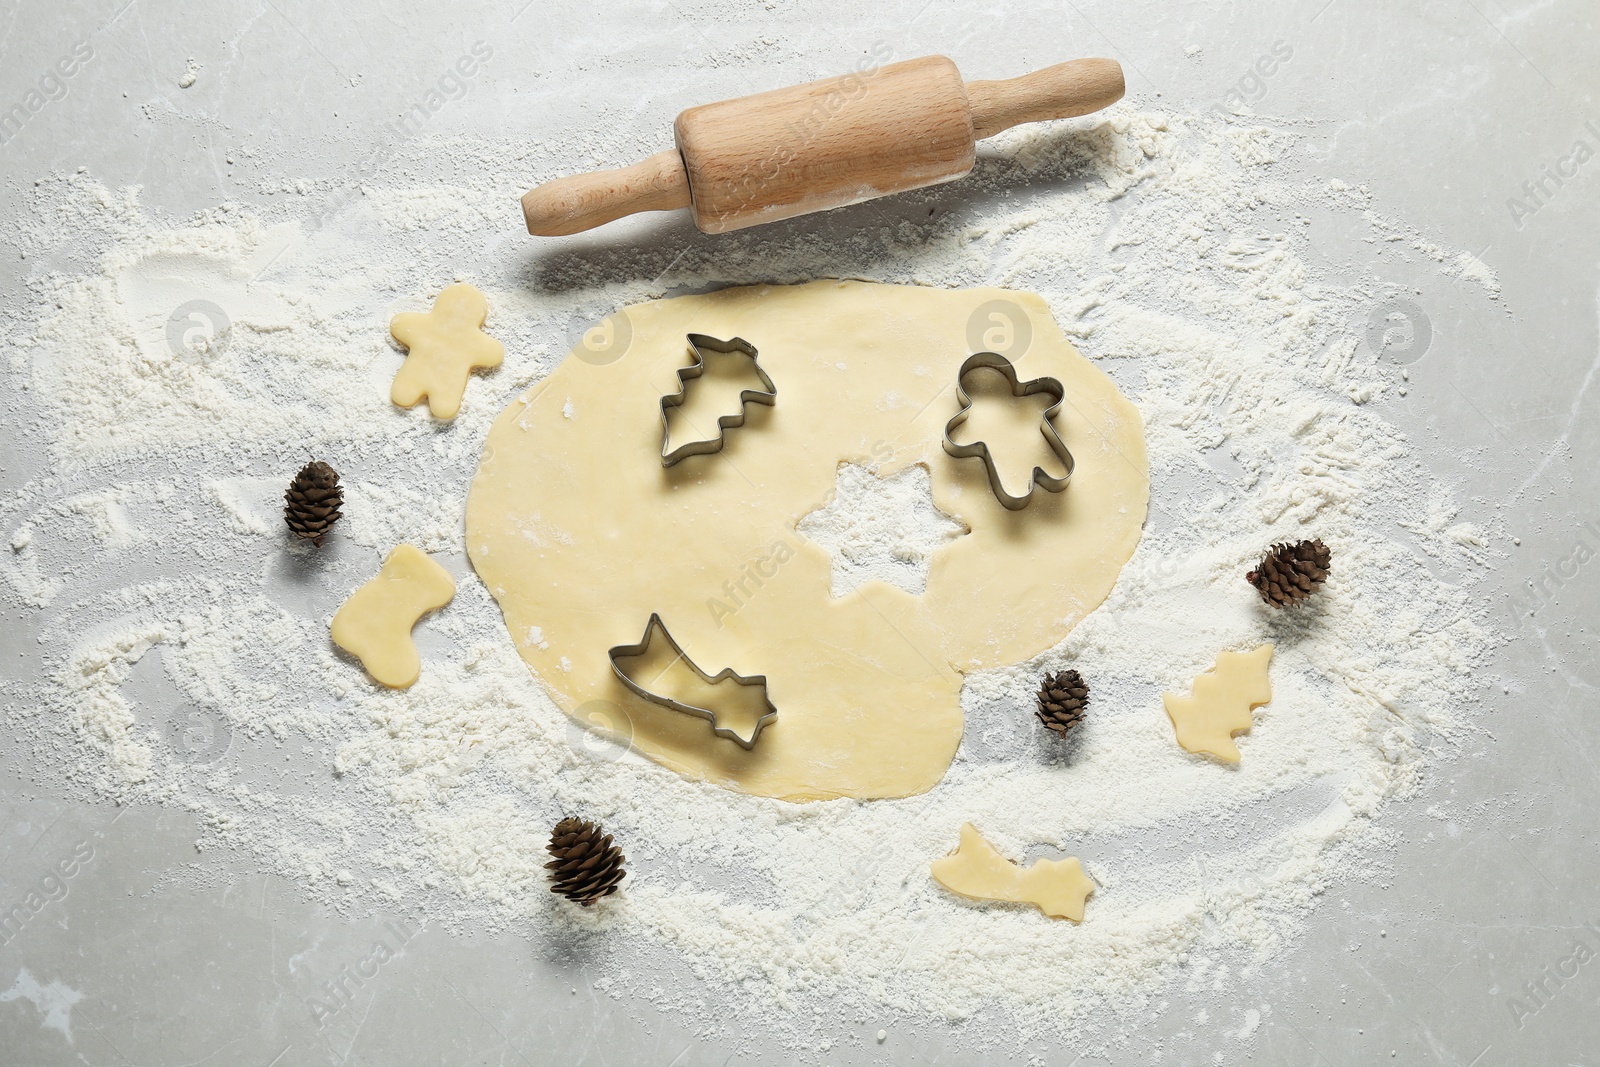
<point>1470,267</point>
<point>1171,250</point>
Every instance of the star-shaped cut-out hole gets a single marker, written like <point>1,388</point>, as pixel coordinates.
<point>883,528</point>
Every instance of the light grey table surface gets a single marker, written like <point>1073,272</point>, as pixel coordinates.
<point>1444,112</point>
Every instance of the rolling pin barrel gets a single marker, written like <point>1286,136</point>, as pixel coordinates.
<point>822,145</point>
<point>825,144</point>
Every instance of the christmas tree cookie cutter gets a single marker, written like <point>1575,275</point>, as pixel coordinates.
<point>654,626</point>
<point>1049,387</point>
<point>701,343</point>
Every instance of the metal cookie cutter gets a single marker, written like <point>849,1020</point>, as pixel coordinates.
<point>1050,387</point>
<point>701,343</point>
<point>631,651</point>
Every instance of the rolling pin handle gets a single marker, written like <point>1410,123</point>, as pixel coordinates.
<point>1063,91</point>
<point>584,201</point>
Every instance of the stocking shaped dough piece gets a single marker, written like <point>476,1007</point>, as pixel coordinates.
<point>374,625</point>
<point>1056,887</point>
<point>1221,703</point>
<point>444,346</point>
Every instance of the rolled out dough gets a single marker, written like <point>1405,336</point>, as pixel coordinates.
<point>580,533</point>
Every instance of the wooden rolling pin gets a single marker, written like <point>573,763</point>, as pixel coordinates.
<point>822,145</point>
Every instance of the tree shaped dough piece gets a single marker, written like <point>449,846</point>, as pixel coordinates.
<point>374,625</point>
<point>444,346</point>
<point>1056,887</point>
<point>1221,703</point>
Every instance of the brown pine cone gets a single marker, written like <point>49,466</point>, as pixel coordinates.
<point>587,866</point>
<point>1291,573</point>
<point>1062,699</point>
<point>311,506</point>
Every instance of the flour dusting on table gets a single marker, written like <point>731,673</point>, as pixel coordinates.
<point>185,638</point>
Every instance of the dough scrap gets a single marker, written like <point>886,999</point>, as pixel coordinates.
<point>444,346</point>
<point>1222,701</point>
<point>374,624</point>
<point>1058,888</point>
<point>576,529</point>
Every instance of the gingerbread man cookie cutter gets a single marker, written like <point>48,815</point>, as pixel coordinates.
<point>700,344</point>
<point>654,626</point>
<point>1049,387</point>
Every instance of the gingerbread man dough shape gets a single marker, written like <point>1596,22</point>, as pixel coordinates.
<point>444,347</point>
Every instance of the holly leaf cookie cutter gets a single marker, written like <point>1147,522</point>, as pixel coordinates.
<point>700,344</point>
<point>654,626</point>
<point>1048,386</point>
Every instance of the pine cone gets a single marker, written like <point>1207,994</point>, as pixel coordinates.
<point>1062,698</point>
<point>587,866</point>
<point>311,506</point>
<point>1291,573</point>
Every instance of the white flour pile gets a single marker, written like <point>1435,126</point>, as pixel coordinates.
<point>183,641</point>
